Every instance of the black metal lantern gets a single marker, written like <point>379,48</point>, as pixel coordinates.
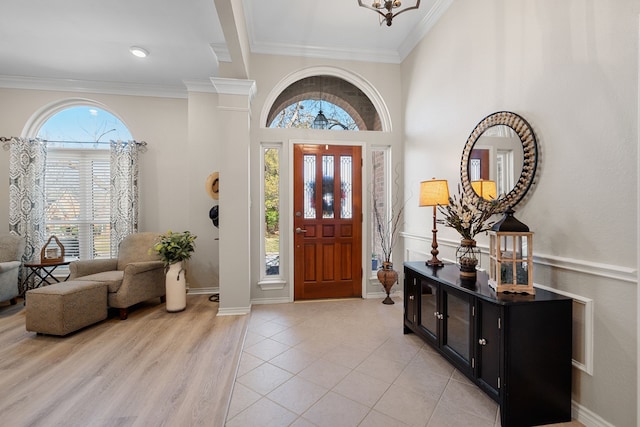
<point>320,122</point>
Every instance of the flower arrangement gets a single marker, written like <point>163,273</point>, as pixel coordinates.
<point>468,218</point>
<point>175,247</point>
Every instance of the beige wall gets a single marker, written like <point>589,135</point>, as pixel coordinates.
<point>181,154</point>
<point>571,69</point>
<point>204,158</point>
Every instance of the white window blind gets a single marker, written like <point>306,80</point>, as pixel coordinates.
<point>77,187</point>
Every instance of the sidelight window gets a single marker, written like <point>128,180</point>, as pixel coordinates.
<point>271,243</point>
<point>381,193</point>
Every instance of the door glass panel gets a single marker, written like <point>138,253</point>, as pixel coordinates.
<point>309,186</point>
<point>428,306</point>
<point>327,186</point>
<point>458,329</point>
<point>346,194</point>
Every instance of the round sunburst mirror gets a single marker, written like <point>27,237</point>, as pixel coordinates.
<point>499,160</point>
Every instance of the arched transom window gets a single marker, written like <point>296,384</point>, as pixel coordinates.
<point>324,102</point>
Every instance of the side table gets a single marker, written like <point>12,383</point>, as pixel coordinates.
<point>41,274</point>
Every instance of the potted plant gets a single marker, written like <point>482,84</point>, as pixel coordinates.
<point>174,249</point>
<point>387,229</point>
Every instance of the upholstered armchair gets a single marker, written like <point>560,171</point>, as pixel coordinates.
<point>11,251</point>
<point>135,276</point>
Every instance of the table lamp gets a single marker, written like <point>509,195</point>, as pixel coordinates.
<point>434,193</point>
<point>484,188</point>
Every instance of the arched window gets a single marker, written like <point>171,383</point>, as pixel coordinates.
<point>82,126</point>
<point>77,178</point>
<point>317,114</point>
<point>343,105</point>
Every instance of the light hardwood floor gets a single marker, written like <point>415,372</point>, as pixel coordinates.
<point>153,369</point>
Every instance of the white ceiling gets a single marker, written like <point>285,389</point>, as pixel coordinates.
<point>80,44</point>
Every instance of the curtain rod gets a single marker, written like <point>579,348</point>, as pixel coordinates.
<point>7,140</point>
<point>97,142</point>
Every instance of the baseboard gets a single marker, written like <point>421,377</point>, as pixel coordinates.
<point>262,301</point>
<point>234,311</point>
<point>203,291</point>
<point>587,417</point>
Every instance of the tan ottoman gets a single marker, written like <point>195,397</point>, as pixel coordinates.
<point>65,307</point>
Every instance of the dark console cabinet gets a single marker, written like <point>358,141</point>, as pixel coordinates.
<point>517,348</point>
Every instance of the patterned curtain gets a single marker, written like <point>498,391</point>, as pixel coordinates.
<point>124,191</point>
<point>27,161</point>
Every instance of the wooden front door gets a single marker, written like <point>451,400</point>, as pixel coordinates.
<point>327,222</point>
<point>481,156</point>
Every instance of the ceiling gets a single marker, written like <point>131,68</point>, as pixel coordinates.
<point>84,45</point>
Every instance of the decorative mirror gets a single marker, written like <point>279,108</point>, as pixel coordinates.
<point>499,160</point>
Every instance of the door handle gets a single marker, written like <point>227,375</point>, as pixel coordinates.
<point>300,230</point>
<point>482,341</point>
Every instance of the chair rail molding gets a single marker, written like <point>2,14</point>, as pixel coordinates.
<point>624,274</point>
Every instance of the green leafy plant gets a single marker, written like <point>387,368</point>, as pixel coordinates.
<point>175,247</point>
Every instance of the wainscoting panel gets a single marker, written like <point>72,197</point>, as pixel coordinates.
<point>582,354</point>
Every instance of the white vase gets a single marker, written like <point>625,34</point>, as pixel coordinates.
<point>176,287</point>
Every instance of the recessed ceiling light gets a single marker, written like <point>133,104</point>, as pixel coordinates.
<point>138,51</point>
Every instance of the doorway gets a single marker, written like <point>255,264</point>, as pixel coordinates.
<point>327,223</point>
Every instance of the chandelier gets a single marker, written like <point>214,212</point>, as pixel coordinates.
<point>385,9</point>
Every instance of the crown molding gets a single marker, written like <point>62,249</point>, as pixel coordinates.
<point>87,86</point>
<point>221,51</point>
<point>205,86</point>
<point>234,86</point>
<point>382,56</point>
<point>425,25</point>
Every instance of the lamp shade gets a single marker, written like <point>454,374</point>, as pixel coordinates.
<point>434,192</point>
<point>485,189</point>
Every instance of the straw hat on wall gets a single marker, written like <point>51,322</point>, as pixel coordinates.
<point>212,185</point>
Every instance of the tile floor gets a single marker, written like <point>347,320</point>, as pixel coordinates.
<point>348,363</point>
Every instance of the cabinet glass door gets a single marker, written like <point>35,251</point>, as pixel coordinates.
<point>411,291</point>
<point>429,310</point>
<point>456,336</point>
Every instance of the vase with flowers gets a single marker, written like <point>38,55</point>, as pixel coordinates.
<point>174,249</point>
<point>387,229</point>
<point>468,218</point>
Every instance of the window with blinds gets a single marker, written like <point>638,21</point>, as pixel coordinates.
<point>77,186</point>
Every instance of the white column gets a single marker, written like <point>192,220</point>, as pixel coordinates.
<point>234,103</point>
